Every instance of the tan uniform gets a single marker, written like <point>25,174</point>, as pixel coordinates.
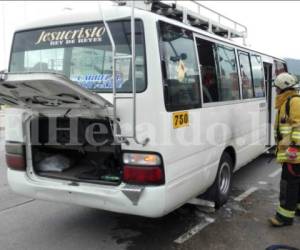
<point>287,131</point>
<point>287,128</point>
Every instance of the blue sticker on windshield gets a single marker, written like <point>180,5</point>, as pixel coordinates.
<point>98,81</point>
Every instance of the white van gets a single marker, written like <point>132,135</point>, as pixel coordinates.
<point>92,127</point>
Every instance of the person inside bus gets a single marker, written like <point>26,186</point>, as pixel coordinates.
<point>210,85</point>
<point>287,130</point>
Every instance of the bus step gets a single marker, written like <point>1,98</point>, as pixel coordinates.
<point>203,205</point>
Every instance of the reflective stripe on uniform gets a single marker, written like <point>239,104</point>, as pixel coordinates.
<point>285,213</point>
<point>296,135</point>
<point>285,129</point>
<point>285,132</point>
<point>282,159</point>
<point>281,156</point>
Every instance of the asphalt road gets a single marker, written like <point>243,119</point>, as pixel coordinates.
<point>240,224</point>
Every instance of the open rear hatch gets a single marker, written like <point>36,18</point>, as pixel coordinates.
<point>75,148</point>
<point>43,90</point>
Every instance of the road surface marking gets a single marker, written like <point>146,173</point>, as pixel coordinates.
<point>262,183</point>
<point>274,174</point>
<point>246,194</point>
<point>17,205</point>
<point>196,229</point>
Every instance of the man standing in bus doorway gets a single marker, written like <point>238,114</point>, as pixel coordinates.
<point>287,135</point>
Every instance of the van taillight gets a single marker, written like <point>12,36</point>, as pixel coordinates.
<point>143,175</point>
<point>143,169</point>
<point>15,156</point>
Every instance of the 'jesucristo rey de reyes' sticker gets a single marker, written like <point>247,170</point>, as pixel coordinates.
<point>79,35</point>
<point>71,36</point>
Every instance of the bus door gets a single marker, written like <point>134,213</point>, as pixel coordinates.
<point>270,102</point>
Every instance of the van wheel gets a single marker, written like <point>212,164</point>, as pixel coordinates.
<point>219,191</point>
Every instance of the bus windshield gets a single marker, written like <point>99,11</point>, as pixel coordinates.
<point>83,54</point>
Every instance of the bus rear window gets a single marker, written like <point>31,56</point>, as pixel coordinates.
<point>83,54</point>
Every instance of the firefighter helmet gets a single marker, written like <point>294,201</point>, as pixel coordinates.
<point>285,81</point>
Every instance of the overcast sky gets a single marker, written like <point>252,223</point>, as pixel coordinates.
<point>273,26</point>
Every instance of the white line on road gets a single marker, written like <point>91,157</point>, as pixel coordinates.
<point>17,205</point>
<point>263,183</point>
<point>246,194</point>
<point>189,234</point>
<point>274,174</point>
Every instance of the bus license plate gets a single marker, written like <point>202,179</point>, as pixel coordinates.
<point>180,119</point>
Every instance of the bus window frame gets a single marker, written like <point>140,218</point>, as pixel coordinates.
<point>199,70</point>
<point>252,83</point>
<point>237,49</point>
<point>262,67</point>
<point>87,23</point>
<point>217,42</point>
<point>237,67</point>
<point>182,107</point>
<point>226,43</point>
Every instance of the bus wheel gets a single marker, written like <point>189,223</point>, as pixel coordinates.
<point>219,192</point>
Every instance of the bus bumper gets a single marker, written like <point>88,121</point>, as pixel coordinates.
<point>151,202</point>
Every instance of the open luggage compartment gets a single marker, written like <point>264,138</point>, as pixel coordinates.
<point>64,149</point>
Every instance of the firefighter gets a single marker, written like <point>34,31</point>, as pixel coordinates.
<point>287,136</point>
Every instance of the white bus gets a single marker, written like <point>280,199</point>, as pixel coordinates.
<point>137,113</point>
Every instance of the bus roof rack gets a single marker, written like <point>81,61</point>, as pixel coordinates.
<point>223,26</point>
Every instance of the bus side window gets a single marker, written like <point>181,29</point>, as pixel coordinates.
<point>229,89</point>
<point>218,71</point>
<point>246,76</point>
<point>206,53</point>
<point>258,76</point>
<point>280,67</point>
<point>179,67</point>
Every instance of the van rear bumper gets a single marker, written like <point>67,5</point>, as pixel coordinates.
<point>150,204</point>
